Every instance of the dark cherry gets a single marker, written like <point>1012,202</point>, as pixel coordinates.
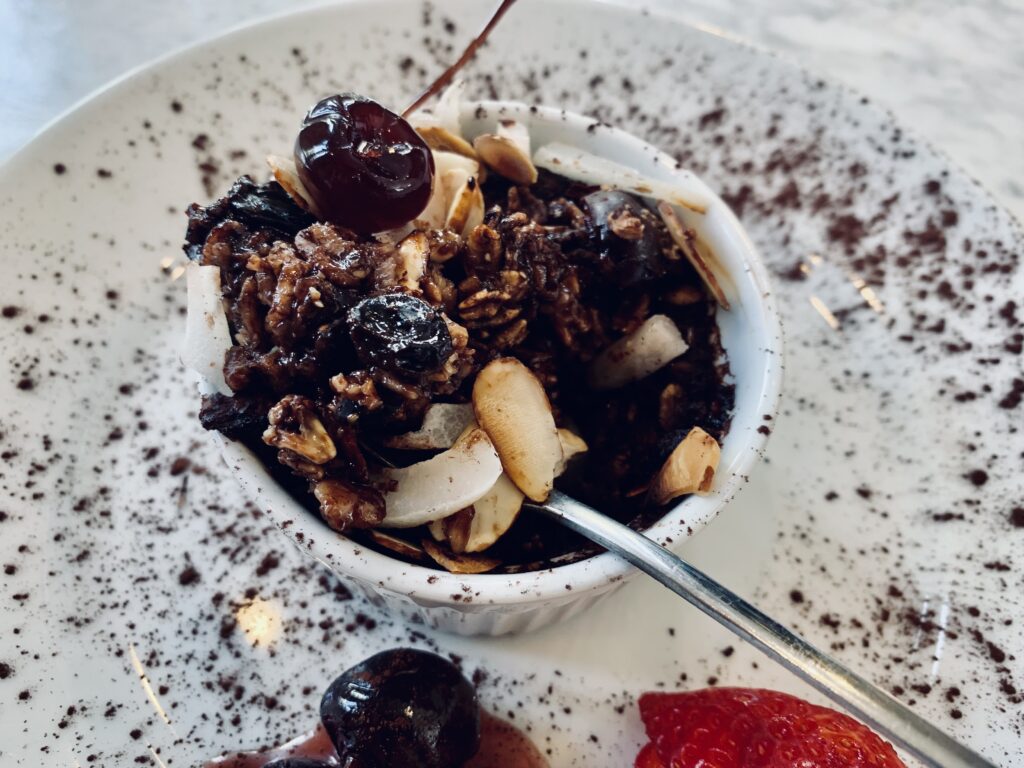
<point>402,707</point>
<point>627,262</point>
<point>366,167</point>
<point>400,333</point>
<point>298,762</point>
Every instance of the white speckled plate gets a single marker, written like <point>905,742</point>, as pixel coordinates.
<point>149,615</point>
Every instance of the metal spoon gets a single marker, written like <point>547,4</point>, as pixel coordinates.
<point>866,700</point>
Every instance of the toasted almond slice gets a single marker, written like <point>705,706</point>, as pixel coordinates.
<point>689,469</point>
<point>508,152</point>
<point>287,176</point>
<point>459,563</point>
<point>466,208</point>
<point>687,243</point>
<point>207,337</point>
<point>434,214</point>
<point>440,139</point>
<point>493,514</point>
<point>583,166</point>
<point>397,545</point>
<point>413,251</point>
<point>442,425</point>
<point>572,445</point>
<point>443,484</point>
<point>456,529</point>
<point>512,407</point>
<point>638,354</point>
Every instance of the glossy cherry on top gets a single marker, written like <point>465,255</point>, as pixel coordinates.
<point>365,166</point>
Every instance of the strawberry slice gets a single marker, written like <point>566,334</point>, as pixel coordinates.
<point>752,728</point>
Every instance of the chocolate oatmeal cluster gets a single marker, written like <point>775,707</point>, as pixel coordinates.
<point>343,342</point>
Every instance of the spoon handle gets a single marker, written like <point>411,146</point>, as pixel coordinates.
<point>870,703</point>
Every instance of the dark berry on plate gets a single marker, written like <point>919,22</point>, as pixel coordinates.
<point>402,707</point>
<point>400,333</point>
<point>298,762</point>
<point>625,232</point>
<point>365,167</point>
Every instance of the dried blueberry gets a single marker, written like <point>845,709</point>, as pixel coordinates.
<point>402,707</point>
<point>400,333</point>
<point>625,233</point>
<point>365,166</point>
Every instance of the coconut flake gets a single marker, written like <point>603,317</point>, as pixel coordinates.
<point>588,168</point>
<point>444,484</point>
<point>507,152</point>
<point>442,425</point>
<point>638,354</point>
<point>690,468</point>
<point>687,243</point>
<point>207,338</point>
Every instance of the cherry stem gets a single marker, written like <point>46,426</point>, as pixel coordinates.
<point>467,54</point>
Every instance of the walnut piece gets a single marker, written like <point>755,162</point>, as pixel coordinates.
<point>294,426</point>
<point>344,506</point>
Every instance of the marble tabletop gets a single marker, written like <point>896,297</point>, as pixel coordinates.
<point>946,68</point>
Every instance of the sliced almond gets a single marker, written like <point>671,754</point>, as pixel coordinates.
<point>493,514</point>
<point>638,354</point>
<point>507,152</point>
<point>588,168</point>
<point>511,406</point>
<point>413,253</point>
<point>287,176</point>
<point>572,445</point>
<point>434,214</point>
<point>459,563</point>
<point>207,336</point>
<point>443,484</point>
<point>466,206</point>
<point>689,469</point>
<point>442,425</point>
<point>398,546</point>
<point>440,139</point>
<point>687,243</point>
<point>456,529</point>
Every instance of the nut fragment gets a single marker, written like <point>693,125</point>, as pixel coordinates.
<point>466,201</point>
<point>508,152</point>
<point>287,176</point>
<point>638,354</point>
<point>512,407</point>
<point>459,563</point>
<point>399,546</point>
<point>440,139</point>
<point>572,445</point>
<point>295,426</point>
<point>413,253</point>
<point>344,506</point>
<point>689,469</point>
<point>686,239</point>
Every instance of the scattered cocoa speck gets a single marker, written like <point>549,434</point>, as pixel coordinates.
<point>180,465</point>
<point>764,430</point>
<point>60,169</point>
<point>176,106</point>
<point>796,596</point>
<point>864,492</point>
<point>135,733</point>
<point>1016,517</point>
<point>269,562</point>
<point>188,576</point>
<point>728,651</point>
<point>1013,398</point>
<point>6,670</point>
<point>956,714</point>
<point>25,695</point>
<point>831,496</point>
<point>977,476</point>
<point>26,384</point>
<point>952,693</point>
<point>104,173</point>
<point>10,311</point>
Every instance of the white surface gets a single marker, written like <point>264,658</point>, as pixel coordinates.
<point>950,70</point>
<point>865,508</point>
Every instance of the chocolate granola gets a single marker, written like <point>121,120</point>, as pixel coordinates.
<point>554,274</point>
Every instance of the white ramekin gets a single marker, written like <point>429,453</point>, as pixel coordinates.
<point>495,604</point>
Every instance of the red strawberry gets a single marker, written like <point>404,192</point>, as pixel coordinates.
<point>751,728</point>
